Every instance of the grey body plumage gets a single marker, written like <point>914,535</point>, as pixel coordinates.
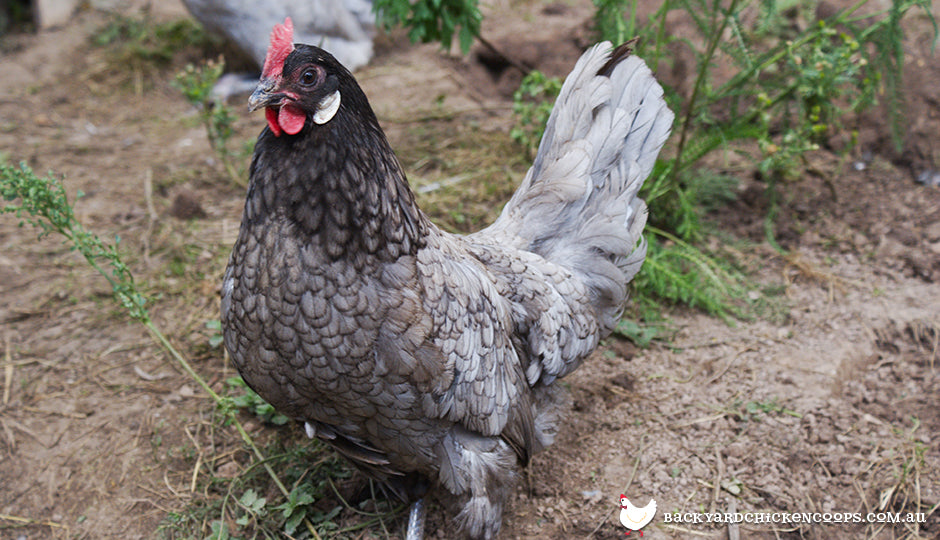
<point>428,359</point>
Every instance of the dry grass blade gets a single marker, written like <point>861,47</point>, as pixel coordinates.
<point>66,414</point>
<point>7,372</point>
<point>812,272</point>
<point>730,362</point>
<point>29,521</point>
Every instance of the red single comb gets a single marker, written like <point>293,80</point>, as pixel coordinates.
<point>282,43</point>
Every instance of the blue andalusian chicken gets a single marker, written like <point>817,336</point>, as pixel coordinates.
<point>427,358</point>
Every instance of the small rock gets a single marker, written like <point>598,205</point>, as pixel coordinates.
<point>229,469</point>
<point>890,248</point>
<point>731,486</point>
<point>859,240</point>
<point>921,265</point>
<point>593,495</point>
<point>905,236</point>
<point>932,232</point>
<point>835,467</point>
<point>735,450</point>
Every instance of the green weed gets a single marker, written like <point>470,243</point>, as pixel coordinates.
<point>215,337</point>
<point>433,20</point>
<point>532,104</point>
<point>196,84</point>
<point>677,272</point>
<point>615,20</point>
<point>788,94</point>
<point>640,334</point>
<point>755,410</point>
<point>240,396</point>
<point>44,205</point>
<point>244,507</point>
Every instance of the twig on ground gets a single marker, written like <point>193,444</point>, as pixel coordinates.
<point>30,521</point>
<point>811,271</point>
<point>719,473</point>
<point>733,359</point>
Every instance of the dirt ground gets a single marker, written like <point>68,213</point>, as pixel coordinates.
<point>827,404</point>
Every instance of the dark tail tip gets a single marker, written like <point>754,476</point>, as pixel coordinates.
<point>616,56</point>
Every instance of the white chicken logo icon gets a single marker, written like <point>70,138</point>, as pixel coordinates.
<point>635,518</point>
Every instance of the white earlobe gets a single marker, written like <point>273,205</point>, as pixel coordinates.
<point>327,108</point>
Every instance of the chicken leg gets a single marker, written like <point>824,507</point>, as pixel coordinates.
<point>416,521</point>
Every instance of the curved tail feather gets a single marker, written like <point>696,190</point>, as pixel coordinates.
<point>578,204</point>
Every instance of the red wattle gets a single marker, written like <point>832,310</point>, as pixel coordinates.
<point>291,119</point>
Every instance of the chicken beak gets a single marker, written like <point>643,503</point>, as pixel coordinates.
<point>264,95</point>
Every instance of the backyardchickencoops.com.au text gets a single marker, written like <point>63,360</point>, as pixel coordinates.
<point>795,517</point>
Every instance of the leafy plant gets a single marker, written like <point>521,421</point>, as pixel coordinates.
<point>615,20</point>
<point>678,272</point>
<point>310,470</point>
<point>215,339</point>
<point>297,507</point>
<point>754,410</point>
<point>44,205</point>
<point>787,96</point>
<point>196,84</point>
<point>243,397</point>
<point>433,20</point>
<point>640,334</point>
<point>532,105</point>
<point>253,506</point>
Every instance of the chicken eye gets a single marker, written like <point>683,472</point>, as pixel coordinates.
<point>308,77</point>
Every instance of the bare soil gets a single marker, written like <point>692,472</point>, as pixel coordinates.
<point>829,403</point>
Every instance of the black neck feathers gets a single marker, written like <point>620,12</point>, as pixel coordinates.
<point>340,184</point>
